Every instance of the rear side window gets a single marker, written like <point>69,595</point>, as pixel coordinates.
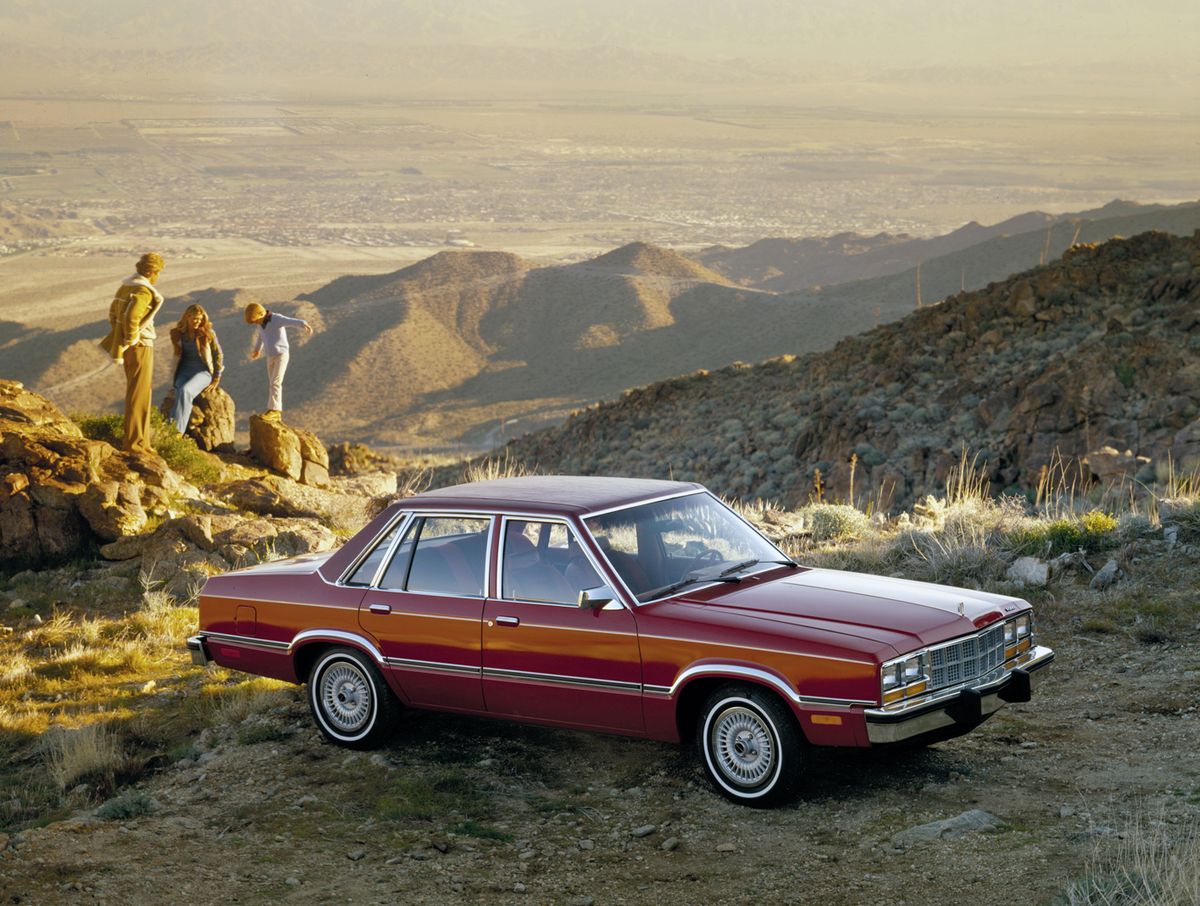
<point>441,555</point>
<point>366,570</point>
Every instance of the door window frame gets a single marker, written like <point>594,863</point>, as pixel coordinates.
<point>575,533</point>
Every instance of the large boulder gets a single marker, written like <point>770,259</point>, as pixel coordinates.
<point>345,508</point>
<point>213,420</point>
<point>293,452</point>
<point>61,492</point>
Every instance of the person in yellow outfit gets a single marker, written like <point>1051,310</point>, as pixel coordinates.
<point>130,342</point>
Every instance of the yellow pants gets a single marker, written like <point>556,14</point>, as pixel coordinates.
<point>139,373</point>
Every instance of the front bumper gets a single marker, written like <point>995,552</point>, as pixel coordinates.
<point>945,715</point>
<point>200,655</point>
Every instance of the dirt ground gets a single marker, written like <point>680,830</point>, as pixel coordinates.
<point>463,810</point>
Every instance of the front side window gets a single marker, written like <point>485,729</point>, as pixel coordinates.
<point>544,563</point>
<point>657,546</point>
<point>440,555</point>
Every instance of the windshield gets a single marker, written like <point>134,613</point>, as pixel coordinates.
<point>660,547</point>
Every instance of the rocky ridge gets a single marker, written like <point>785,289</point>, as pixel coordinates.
<point>63,495</point>
<point>1095,356</point>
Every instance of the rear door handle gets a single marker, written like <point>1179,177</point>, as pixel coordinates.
<point>380,608</point>
<point>509,621</point>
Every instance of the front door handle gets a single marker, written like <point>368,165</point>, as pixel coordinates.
<point>380,609</point>
<point>509,621</point>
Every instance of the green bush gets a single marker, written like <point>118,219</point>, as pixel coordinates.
<point>831,521</point>
<point>1094,531</point>
<point>133,804</point>
<point>179,450</point>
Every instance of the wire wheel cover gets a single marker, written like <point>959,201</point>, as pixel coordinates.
<point>742,745</point>
<point>345,696</point>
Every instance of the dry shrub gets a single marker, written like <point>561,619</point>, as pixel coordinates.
<point>490,469</point>
<point>88,751</point>
<point>834,521</point>
<point>1146,866</point>
<point>876,555</point>
<point>957,555</point>
<point>160,620</point>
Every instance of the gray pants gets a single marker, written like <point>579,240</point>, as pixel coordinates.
<point>276,366</point>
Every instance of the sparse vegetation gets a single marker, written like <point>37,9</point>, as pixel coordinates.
<point>179,450</point>
<point>1149,865</point>
<point>132,804</point>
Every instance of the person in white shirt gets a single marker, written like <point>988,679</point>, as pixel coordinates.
<point>271,337</point>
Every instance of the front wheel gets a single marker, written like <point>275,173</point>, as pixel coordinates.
<point>350,700</point>
<point>750,746</point>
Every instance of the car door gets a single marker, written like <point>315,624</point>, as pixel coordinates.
<point>425,608</point>
<point>546,658</point>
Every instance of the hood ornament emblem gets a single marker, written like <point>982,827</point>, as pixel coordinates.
<point>962,609</point>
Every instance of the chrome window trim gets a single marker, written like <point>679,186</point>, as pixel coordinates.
<point>699,585</point>
<point>625,506</point>
<point>505,519</point>
<point>399,519</point>
<point>414,515</point>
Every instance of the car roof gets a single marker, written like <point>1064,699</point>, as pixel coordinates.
<point>573,494</point>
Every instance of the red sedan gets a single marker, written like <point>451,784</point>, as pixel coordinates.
<point>647,608</point>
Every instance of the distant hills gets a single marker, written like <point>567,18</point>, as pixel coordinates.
<point>1100,348</point>
<point>476,347</point>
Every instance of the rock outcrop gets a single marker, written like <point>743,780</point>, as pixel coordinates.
<point>345,508</point>
<point>292,452</point>
<point>182,552</point>
<point>214,418</point>
<point>61,492</point>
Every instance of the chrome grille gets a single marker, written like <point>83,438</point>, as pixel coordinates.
<point>965,659</point>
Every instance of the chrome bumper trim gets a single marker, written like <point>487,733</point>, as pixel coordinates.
<point>966,707</point>
<point>200,656</point>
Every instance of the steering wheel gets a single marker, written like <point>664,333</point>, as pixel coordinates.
<point>709,556</point>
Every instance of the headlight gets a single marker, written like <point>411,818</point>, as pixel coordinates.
<point>1018,635</point>
<point>1024,626</point>
<point>903,678</point>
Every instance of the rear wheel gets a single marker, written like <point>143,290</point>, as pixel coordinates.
<point>750,745</point>
<point>350,700</point>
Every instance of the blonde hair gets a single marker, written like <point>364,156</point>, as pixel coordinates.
<point>204,331</point>
<point>254,311</point>
<point>150,262</point>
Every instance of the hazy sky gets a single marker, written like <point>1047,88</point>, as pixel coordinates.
<point>878,33</point>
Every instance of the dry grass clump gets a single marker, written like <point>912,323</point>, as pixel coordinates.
<point>1144,867</point>
<point>228,705</point>
<point>91,751</point>
<point>506,466</point>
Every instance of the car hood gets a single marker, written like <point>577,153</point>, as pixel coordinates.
<point>897,612</point>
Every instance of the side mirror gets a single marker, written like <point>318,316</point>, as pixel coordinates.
<point>596,598</point>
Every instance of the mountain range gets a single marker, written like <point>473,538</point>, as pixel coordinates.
<point>475,347</point>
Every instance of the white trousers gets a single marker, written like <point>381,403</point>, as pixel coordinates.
<point>276,366</point>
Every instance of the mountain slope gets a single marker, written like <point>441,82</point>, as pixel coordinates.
<point>794,265</point>
<point>1100,348</point>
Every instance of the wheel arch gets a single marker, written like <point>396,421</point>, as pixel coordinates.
<point>309,645</point>
<point>696,684</point>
